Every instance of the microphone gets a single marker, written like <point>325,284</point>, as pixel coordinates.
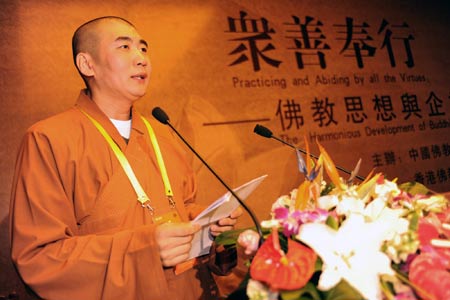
<point>265,132</point>
<point>162,117</point>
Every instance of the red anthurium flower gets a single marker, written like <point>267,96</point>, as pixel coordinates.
<point>281,271</point>
<point>429,270</point>
<point>430,275</point>
<point>431,228</point>
<point>427,231</point>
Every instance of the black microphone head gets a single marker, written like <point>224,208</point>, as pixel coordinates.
<point>263,131</point>
<point>160,115</point>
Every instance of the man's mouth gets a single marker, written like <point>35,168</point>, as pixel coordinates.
<point>139,76</point>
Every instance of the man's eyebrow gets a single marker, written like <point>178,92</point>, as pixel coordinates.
<point>143,42</point>
<point>128,39</point>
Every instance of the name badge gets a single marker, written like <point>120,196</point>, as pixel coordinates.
<point>171,217</point>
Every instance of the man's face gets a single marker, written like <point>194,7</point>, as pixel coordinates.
<point>122,66</point>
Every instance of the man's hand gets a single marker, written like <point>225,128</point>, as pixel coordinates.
<point>174,241</point>
<point>226,224</point>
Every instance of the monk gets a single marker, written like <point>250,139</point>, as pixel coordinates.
<point>95,214</point>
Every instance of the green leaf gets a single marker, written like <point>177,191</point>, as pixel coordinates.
<point>328,188</point>
<point>228,238</point>
<point>414,188</point>
<point>332,222</point>
<point>291,295</point>
<point>342,291</point>
<point>308,292</point>
<point>367,186</point>
<point>318,265</point>
<point>388,289</point>
<point>414,221</point>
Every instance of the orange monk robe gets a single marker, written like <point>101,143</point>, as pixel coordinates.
<point>77,229</point>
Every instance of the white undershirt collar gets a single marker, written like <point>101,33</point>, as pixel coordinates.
<point>124,127</point>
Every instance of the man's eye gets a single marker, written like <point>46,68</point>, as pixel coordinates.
<point>144,49</point>
<point>124,47</point>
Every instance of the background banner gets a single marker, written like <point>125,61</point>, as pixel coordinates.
<point>367,79</point>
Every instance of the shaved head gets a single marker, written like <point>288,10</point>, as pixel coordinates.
<point>86,38</point>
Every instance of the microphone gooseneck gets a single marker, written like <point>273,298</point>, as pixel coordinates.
<point>265,132</point>
<point>162,117</point>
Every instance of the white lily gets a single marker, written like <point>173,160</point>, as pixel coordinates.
<point>388,219</point>
<point>395,228</point>
<point>327,202</point>
<point>349,205</point>
<point>351,253</point>
<point>435,203</point>
<point>387,190</point>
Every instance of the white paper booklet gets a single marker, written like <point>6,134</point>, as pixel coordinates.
<point>221,208</point>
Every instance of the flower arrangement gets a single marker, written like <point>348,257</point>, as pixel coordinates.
<point>339,240</point>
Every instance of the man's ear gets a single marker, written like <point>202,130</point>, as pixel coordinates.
<point>84,64</point>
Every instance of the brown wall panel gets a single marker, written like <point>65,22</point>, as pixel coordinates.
<point>216,104</point>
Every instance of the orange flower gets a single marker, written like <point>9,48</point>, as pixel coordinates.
<point>281,271</point>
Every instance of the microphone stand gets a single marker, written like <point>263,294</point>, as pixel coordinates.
<point>249,211</point>
<point>265,132</point>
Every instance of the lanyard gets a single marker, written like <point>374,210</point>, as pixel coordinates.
<point>141,195</point>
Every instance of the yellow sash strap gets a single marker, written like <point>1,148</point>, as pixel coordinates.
<point>162,166</point>
<point>141,195</point>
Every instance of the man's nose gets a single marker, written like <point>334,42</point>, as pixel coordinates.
<point>141,58</point>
